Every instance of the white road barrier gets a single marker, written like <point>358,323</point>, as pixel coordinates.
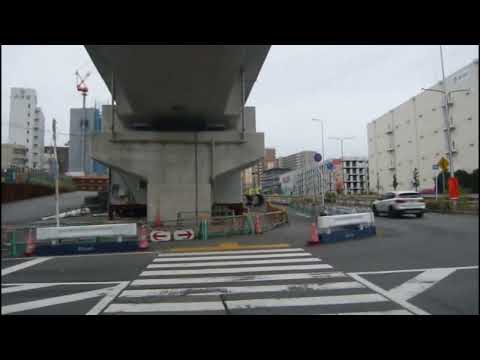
<point>82,231</point>
<point>325,222</point>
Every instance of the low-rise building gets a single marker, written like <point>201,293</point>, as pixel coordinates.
<point>14,155</point>
<point>271,180</point>
<point>62,156</point>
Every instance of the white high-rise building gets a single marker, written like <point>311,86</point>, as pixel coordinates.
<point>27,125</point>
<point>412,135</point>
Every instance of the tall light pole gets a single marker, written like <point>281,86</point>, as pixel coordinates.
<point>324,157</point>
<point>342,139</point>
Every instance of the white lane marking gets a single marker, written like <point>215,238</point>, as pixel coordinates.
<point>225,263</point>
<point>234,270</point>
<point>30,305</point>
<point>413,270</point>
<point>108,298</point>
<point>166,307</point>
<point>233,257</point>
<point>68,283</point>
<point>420,283</point>
<point>17,288</point>
<point>85,255</point>
<point>238,278</point>
<point>387,312</point>
<point>239,289</point>
<point>303,215</point>
<point>24,265</point>
<point>231,252</point>
<point>304,301</point>
<point>410,307</point>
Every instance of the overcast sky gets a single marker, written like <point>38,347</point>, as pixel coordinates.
<point>346,86</point>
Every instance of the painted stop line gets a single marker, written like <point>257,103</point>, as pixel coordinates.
<point>158,235</point>
<point>186,234</point>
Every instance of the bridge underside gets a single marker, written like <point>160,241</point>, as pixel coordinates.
<point>177,121</point>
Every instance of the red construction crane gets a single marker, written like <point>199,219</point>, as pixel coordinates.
<point>81,85</point>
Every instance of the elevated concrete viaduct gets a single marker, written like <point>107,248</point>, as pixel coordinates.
<point>180,121</point>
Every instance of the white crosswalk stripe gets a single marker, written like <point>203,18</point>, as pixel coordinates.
<point>230,257</point>
<point>248,282</point>
<point>231,263</point>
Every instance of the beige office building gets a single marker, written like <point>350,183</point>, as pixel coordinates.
<point>413,135</point>
<point>14,155</point>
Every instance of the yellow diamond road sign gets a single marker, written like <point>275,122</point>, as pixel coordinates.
<point>443,163</point>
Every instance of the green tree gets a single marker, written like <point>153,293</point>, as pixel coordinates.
<point>395,182</point>
<point>415,182</point>
<point>475,181</point>
<point>464,179</point>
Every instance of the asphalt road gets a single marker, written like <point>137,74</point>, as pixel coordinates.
<point>25,211</point>
<point>412,266</point>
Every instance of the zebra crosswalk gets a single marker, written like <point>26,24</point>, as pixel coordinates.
<point>273,281</point>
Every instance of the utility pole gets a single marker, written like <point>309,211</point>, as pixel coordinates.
<point>55,158</point>
<point>342,139</point>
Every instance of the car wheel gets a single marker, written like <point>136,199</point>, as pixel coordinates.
<point>392,213</point>
<point>375,211</point>
<point>420,215</point>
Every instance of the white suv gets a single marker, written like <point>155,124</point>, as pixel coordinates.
<point>396,203</point>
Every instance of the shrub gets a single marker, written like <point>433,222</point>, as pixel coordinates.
<point>330,197</point>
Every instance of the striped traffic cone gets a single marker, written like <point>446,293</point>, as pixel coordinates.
<point>30,249</point>
<point>314,239</point>
<point>143,238</point>
<point>158,221</point>
<point>258,226</point>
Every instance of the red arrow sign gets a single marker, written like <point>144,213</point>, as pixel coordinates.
<point>183,235</point>
<point>160,235</point>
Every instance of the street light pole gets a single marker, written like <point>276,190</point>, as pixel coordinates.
<point>322,182</point>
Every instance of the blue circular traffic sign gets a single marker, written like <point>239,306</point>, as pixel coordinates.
<point>317,157</point>
<point>329,165</point>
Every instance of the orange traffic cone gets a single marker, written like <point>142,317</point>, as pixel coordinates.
<point>30,249</point>
<point>314,239</point>
<point>258,227</point>
<point>143,238</point>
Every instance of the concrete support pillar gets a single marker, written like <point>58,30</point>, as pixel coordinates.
<point>167,162</point>
<point>228,188</point>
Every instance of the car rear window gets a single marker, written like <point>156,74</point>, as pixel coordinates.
<point>410,195</point>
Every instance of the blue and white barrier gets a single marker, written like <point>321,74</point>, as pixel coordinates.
<point>48,239</point>
<point>345,227</point>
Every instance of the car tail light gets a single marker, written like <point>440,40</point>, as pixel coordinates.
<point>399,201</point>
